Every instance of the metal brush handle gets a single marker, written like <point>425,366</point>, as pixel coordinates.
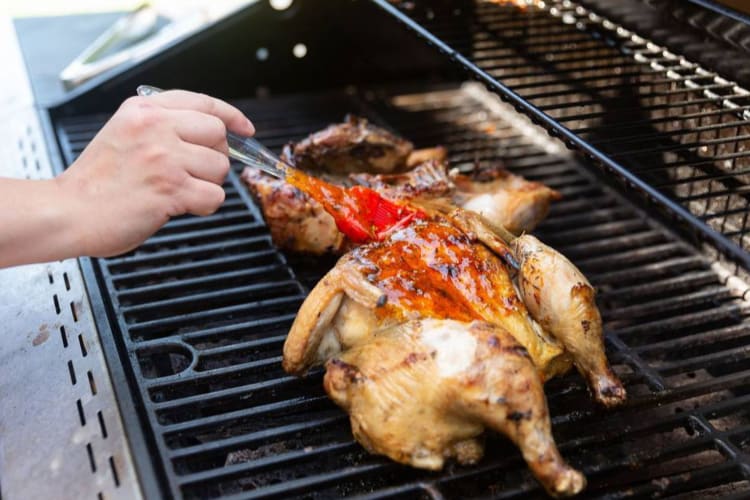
<point>250,152</point>
<point>243,149</point>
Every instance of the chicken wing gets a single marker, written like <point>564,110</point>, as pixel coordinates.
<point>424,391</point>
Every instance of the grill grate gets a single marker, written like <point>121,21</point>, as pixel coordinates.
<point>200,312</point>
<point>673,129</point>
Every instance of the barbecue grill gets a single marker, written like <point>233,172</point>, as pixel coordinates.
<point>623,107</point>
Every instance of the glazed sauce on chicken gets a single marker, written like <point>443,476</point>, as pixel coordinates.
<point>432,269</point>
<point>361,213</point>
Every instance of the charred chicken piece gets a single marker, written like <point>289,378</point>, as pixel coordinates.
<point>423,391</point>
<point>352,146</point>
<point>505,199</point>
<point>297,222</point>
<point>427,180</point>
<point>561,299</point>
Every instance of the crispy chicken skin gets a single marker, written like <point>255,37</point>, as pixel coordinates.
<point>561,299</point>
<point>426,270</point>
<point>352,146</point>
<point>297,222</point>
<point>424,391</point>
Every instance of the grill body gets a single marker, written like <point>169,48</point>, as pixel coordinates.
<point>193,321</point>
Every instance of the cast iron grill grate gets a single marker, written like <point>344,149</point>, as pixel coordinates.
<point>200,311</point>
<point>677,132</point>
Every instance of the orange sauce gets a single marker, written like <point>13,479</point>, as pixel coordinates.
<point>432,269</point>
<point>362,214</point>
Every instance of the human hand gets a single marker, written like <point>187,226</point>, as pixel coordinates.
<point>157,157</point>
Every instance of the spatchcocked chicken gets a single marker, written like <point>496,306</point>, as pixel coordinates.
<point>445,324</point>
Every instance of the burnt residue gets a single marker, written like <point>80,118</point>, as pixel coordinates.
<point>517,416</point>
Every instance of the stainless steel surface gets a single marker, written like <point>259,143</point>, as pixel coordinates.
<point>60,429</point>
<point>140,27</point>
<point>127,31</point>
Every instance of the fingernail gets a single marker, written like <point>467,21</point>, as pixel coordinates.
<point>250,127</point>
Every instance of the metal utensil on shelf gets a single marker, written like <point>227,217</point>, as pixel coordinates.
<point>243,149</point>
<point>124,33</point>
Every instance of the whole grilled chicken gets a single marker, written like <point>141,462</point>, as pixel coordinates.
<point>444,269</point>
<point>425,390</point>
<point>376,158</point>
<point>426,327</point>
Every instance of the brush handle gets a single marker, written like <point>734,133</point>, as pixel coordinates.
<point>250,152</point>
<point>243,149</point>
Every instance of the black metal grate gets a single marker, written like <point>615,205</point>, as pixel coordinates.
<point>200,312</point>
<point>666,126</point>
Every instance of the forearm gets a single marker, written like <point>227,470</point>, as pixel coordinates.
<point>36,222</point>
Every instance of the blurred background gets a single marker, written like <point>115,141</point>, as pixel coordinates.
<point>35,8</point>
<point>94,37</point>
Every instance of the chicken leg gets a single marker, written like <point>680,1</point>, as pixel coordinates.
<point>561,299</point>
<point>424,391</point>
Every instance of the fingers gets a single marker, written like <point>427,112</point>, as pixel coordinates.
<point>182,99</point>
<point>204,163</point>
<point>199,197</point>
<point>200,128</point>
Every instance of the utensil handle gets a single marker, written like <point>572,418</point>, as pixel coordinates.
<point>250,152</point>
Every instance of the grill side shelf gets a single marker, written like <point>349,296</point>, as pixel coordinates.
<point>487,22</point>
